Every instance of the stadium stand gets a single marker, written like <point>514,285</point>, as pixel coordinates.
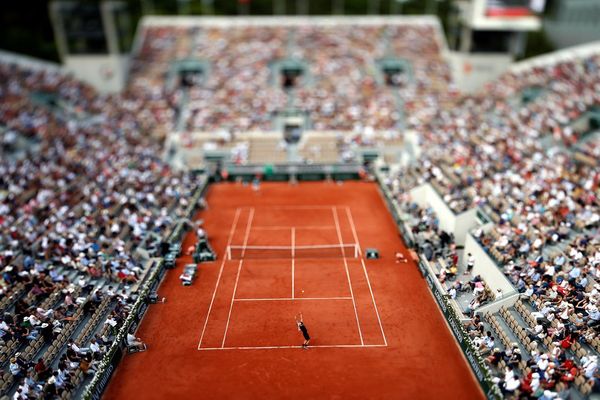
<point>341,84</point>
<point>82,221</point>
<point>520,162</point>
<point>81,214</point>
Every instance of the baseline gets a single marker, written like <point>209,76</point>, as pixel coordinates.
<point>299,207</point>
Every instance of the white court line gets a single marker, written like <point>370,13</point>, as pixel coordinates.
<point>281,227</point>
<point>233,226</point>
<point>353,229</point>
<point>248,227</point>
<point>298,207</point>
<point>295,298</point>
<point>293,258</point>
<point>366,273</point>
<point>323,346</point>
<point>237,278</point>
<point>339,233</point>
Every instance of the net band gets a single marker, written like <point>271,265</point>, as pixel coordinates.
<point>269,252</point>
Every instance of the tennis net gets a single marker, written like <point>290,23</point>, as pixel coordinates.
<point>314,251</point>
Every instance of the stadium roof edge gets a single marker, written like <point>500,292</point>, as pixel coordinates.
<point>229,21</point>
<point>29,62</point>
<point>581,51</point>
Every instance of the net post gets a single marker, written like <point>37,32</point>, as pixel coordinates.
<point>355,250</point>
<point>229,252</point>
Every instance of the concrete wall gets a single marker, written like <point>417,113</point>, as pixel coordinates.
<point>463,224</point>
<point>563,34</point>
<point>458,224</point>
<point>289,20</point>
<point>426,196</point>
<point>506,301</point>
<point>107,73</point>
<point>487,268</point>
<point>471,72</point>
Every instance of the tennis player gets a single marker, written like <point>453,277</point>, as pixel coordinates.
<point>302,328</point>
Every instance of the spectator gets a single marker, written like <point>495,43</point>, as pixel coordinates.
<point>470,264</point>
<point>15,369</point>
<point>589,366</point>
<point>135,342</point>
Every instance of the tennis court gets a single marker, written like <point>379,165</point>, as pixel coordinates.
<point>283,260</point>
<point>376,330</point>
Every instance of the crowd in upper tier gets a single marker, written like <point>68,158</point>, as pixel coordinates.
<point>515,157</point>
<point>82,189</point>
<point>342,85</point>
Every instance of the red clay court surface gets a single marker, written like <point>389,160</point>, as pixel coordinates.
<point>376,331</point>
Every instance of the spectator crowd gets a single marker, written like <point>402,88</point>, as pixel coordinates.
<point>341,85</point>
<point>84,201</point>
<point>525,163</point>
<point>85,197</point>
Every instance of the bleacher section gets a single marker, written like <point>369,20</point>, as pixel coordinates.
<point>521,168</point>
<point>79,224</point>
<point>341,87</point>
<point>504,173</point>
<point>266,148</point>
<point>319,147</point>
